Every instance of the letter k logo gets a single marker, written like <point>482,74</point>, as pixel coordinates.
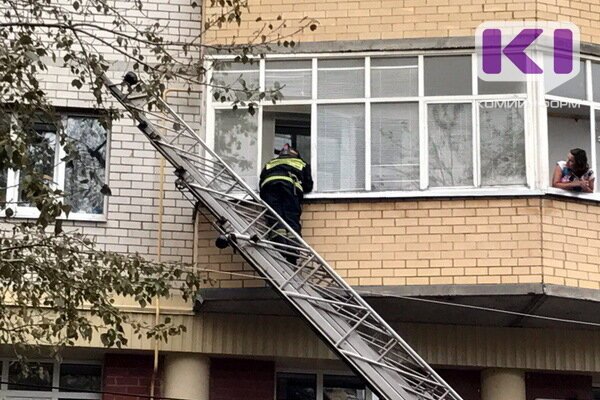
<point>514,51</point>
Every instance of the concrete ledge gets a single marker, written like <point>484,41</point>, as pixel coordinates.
<point>441,304</point>
<point>411,44</point>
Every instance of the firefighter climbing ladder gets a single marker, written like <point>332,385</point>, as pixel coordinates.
<point>352,329</point>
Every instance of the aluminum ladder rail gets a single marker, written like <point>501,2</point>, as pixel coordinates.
<point>353,330</point>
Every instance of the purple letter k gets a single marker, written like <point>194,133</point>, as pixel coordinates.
<point>515,51</point>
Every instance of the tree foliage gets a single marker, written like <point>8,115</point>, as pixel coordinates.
<point>58,287</point>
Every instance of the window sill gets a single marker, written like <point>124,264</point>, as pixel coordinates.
<point>571,194</point>
<point>429,193</point>
<point>509,191</point>
<point>32,213</point>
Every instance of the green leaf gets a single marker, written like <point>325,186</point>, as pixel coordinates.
<point>76,83</point>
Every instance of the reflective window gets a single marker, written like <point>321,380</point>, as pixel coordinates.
<point>296,386</point>
<point>80,377</point>
<point>450,145</point>
<point>36,377</point>
<point>341,79</point>
<point>502,144</point>
<point>395,146</point>
<point>233,81</point>
<point>341,147</point>
<point>574,88</point>
<point>343,387</point>
<point>394,77</point>
<point>236,142</point>
<point>292,78</point>
<point>448,75</point>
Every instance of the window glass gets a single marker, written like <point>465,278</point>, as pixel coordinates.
<point>293,77</point>
<point>450,145</point>
<point>296,386</point>
<point>448,75</point>
<point>486,87</point>
<point>596,80</point>
<point>79,377</point>
<point>236,142</point>
<point>85,173</point>
<point>597,141</point>
<point>339,79</point>
<point>502,144</point>
<point>343,388</point>
<point>37,378</point>
<point>573,88</point>
<point>235,81</point>
<point>394,77</point>
<point>341,147</point>
<point>3,184</point>
<point>4,132</point>
<point>395,146</point>
<point>42,156</point>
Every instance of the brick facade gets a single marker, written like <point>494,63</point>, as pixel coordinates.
<point>449,241</point>
<point>234,379</point>
<point>398,19</point>
<point>127,373</point>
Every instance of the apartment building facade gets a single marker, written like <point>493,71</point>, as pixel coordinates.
<point>432,198</point>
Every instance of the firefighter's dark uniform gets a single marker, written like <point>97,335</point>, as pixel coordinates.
<point>283,182</point>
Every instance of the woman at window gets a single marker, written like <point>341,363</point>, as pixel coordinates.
<point>575,173</point>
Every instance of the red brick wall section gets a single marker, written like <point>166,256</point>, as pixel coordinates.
<point>235,379</point>
<point>558,386</point>
<point>128,373</point>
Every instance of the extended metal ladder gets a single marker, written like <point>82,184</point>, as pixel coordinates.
<point>334,310</point>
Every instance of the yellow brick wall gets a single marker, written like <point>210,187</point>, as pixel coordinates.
<point>428,242</point>
<point>417,242</point>
<point>571,243</point>
<point>583,13</point>
<point>398,19</point>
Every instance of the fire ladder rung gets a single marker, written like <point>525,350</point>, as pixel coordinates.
<point>353,330</point>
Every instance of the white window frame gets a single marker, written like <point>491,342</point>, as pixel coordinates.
<point>594,107</point>
<point>27,212</point>
<point>54,394</point>
<point>319,379</point>
<point>535,124</point>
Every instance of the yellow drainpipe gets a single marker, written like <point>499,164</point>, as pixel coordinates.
<point>161,191</point>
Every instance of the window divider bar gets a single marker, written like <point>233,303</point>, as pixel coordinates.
<point>476,144</point>
<point>367,123</point>
<point>314,126</point>
<point>423,140</point>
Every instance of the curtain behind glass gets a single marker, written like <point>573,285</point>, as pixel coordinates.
<point>341,148</point>
<point>293,77</point>
<point>450,145</point>
<point>395,146</point>
<point>341,79</point>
